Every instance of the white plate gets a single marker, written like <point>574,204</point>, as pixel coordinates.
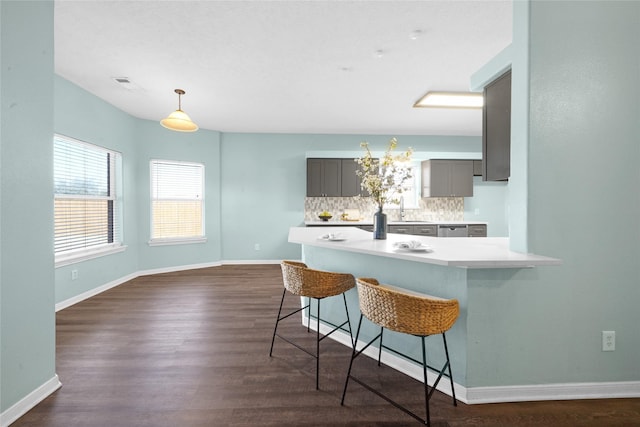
<point>423,248</point>
<point>333,238</point>
<point>420,249</point>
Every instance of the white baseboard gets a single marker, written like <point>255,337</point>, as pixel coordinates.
<point>95,291</point>
<point>253,261</point>
<point>496,394</point>
<point>568,391</point>
<point>29,401</point>
<point>177,268</point>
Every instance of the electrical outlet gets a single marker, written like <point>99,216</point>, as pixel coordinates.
<point>74,274</point>
<point>256,246</point>
<point>608,340</point>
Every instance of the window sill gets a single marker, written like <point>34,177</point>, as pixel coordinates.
<point>184,241</point>
<point>68,259</point>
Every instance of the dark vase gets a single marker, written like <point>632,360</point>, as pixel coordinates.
<point>380,225</point>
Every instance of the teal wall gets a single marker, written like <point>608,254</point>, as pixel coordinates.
<point>490,201</point>
<point>583,183</point>
<point>518,198</point>
<point>84,116</point>
<point>152,141</point>
<point>87,118</point>
<point>573,194</point>
<point>27,317</point>
<point>263,187</point>
<point>575,127</point>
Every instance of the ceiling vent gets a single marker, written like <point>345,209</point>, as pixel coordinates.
<point>125,83</point>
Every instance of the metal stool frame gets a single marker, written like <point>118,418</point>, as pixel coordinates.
<point>302,281</point>
<point>398,326</point>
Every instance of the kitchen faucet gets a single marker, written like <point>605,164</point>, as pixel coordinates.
<point>401,208</point>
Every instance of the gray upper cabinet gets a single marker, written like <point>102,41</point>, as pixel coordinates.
<point>350,181</point>
<point>496,129</point>
<point>332,178</point>
<point>447,178</point>
<point>324,177</point>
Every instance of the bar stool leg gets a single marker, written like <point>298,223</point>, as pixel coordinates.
<point>426,384</point>
<point>317,345</point>
<point>380,348</point>
<point>346,309</point>
<point>308,314</point>
<point>446,352</point>
<point>277,321</point>
<point>353,356</point>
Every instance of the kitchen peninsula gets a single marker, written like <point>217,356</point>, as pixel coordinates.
<point>481,273</point>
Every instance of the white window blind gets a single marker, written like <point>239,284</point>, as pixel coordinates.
<point>177,201</point>
<point>86,206</point>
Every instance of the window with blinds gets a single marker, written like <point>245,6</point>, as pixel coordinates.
<point>86,205</point>
<point>177,202</point>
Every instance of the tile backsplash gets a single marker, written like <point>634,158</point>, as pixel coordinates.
<point>430,209</point>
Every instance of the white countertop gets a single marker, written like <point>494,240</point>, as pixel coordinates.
<point>466,252</point>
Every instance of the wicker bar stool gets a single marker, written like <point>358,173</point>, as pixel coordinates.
<point>410,313</point>
<point>302,281</point>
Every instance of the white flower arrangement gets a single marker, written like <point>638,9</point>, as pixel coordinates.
<point>385,179</point>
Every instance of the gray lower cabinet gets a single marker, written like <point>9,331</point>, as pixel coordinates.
<point>477,230</point>
<point>413,229</point>
<point>425,230</point>
<point>447,178</point>
<point>400,229</point>
<point>474,230</point>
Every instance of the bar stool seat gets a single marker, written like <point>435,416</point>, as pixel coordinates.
<point>302,281</point>
<point>406,312</point>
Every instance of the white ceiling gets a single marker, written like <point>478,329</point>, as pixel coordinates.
<point>348,67</point>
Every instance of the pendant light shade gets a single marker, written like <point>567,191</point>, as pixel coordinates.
<point>179,120</point>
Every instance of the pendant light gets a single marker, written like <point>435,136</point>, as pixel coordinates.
<point>179,120</point>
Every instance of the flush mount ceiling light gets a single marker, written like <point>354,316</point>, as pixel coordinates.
<point>450,100</point>
<point>179,120</point>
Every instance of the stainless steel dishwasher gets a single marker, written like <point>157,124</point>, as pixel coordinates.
<point>449,230</point>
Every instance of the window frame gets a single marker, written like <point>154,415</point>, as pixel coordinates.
<point>179,240</point>
<point>114,214</point>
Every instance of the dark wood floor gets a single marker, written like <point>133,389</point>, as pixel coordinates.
<point>191,349</point>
